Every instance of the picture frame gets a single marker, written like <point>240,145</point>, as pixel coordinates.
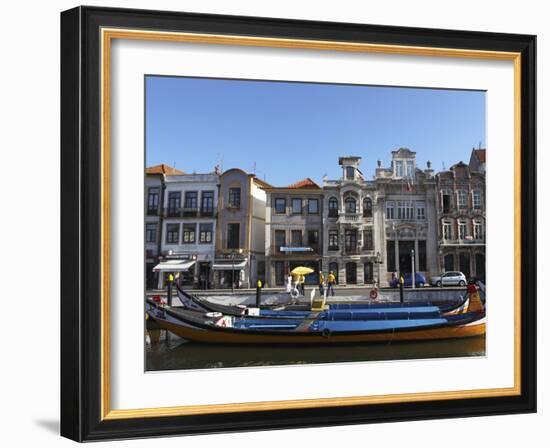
<point>86,176</point>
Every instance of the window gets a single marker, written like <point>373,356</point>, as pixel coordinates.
<point>313,206</point>
<point>476,199</point>
<point>367,272</point>
<point>398,168</point>
<point>172,233</point>
<point>296,206</point>
<point>296,238</point>
<point>477,231</point>
<point>279,273</point>
<point>422,255</point>
<point>405,210</point>
<point>449,262</point>
<point>189,233</point>
<point>174,203</point>
<point>233,235</point>
<point>205,233</point>
<point>333,207</point>
<point>461,199</point>
<point>390,255</point>
<point>420,210</point>
<point>280,206</point>
<point>446,202</point>
<point>446,230</point>
<point>461,230</point>
<point>390,210</point>
<point>333,239</point>
<point>367,208</point>
<point>153,200</point>
<point>191,200</point>
<point>207,203</point>
<point>280,240</point>
<point>350,173</point>
<point>234,197</point>
<point>351,205</point>
<point>151,232</point>
<point>368,243</point>
<point>350,240</point>
<point>410,169</point>
<point>313,239</point>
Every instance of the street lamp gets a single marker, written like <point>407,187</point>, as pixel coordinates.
<point>378,262</point>
<point>413,270</point>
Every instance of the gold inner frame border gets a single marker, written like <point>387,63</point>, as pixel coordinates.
<point>107,35</point>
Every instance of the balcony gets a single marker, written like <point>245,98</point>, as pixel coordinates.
<point>188,213</point>
<point>152,211</point>
<point>349,217</point>
<point>333,213</point>
<point>352,250</point>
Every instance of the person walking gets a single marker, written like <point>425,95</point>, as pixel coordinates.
<point>302,282</point>
<point>331,281</point>
<point>321,283</point>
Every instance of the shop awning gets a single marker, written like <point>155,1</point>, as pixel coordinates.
<point>295,249</point>
<point>174,266</point>
<point>228,266</point>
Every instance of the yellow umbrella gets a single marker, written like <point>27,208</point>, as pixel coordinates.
<point>301,270</point>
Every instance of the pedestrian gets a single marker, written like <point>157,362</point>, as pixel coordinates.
<point>321,283</point>
<point>289,284</point>
<point>331,281</point>
<point>302,282</point>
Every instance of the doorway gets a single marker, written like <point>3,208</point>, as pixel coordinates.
<point>405,256</point>
<point>351,273</point>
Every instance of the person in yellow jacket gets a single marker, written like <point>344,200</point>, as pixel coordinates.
<point>331,281</point>
<point>321,283</point>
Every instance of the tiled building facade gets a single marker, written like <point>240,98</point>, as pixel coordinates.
<point>237,229</point>
<point>240,239</point>
<point>294,230</point>
<point>461,220</point>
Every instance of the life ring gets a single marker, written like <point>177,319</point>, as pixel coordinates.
<point>294,293</point>
<point>373,294</point>
<point>326,333</point>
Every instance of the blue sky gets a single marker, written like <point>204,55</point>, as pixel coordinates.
<point>289,131</point>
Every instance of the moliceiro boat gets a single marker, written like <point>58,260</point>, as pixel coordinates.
<point>346,323</point>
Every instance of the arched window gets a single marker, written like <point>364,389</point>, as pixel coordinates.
<point>367,208</point>
<point>351,205</point>
<point>333,207</point>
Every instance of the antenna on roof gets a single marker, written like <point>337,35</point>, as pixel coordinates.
<point>479,147</point>
<point>254,168</point>
<point>443,166</point>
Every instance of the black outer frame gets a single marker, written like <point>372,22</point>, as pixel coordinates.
<point>81,208</point>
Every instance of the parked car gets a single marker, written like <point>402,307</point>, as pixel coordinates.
<point>449,279</point>
<point>419,280</point>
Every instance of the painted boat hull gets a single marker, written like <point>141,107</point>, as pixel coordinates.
<point>197,332</point>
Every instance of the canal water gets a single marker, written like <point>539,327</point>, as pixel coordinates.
<point>174,353</point>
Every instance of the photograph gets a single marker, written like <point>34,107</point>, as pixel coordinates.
<point>295,222</point>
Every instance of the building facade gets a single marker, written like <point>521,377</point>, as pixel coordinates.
<point>240,236</point>
<point>294,230</point>
<point>461,220</point>
<point>406,200</point>
<point>189,228</point>
<point>352,226</point>
<point>155,177</point>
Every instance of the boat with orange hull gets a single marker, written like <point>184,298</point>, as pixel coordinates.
<point>323,325</point>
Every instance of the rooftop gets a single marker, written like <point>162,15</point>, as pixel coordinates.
<point>163,169</point>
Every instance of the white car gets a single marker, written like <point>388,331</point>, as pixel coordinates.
<point>448,279</point>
